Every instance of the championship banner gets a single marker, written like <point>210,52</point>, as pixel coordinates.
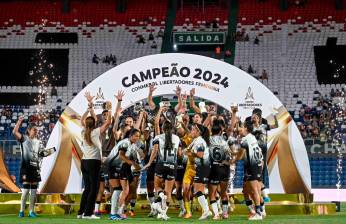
<point>214,80</point>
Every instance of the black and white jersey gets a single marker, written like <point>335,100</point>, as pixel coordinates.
<point>131,151</point>
<point>139,152</point>
<point>199,145</point>
<point>30,149</point>
<point>253,155</point>
<point>260,132</point>
<point>218,149</point>
<point>233,141</point>
<point>167,155</point>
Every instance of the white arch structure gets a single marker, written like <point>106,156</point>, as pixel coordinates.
<point>214,80</point>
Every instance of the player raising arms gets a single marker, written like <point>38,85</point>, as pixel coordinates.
<point>167,147</point>
<point>29,169</point>
<point>91,161</point>
<point>261,127</point>
<point>185,139</point>
<point>107,141</point>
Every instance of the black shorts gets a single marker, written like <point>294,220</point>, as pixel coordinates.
<point>252,173</point>
<point>136,173</point>
<point>151,172</point>
<point>219,173</point>
<point>30,174</point>
<point>165,171</point>
<point>120,173</point>
<point>202,174</point>
<point>103,175</point>
<point>180,173</point>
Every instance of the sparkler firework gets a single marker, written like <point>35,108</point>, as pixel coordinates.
<point>339,139</point>
<point>42,75</point>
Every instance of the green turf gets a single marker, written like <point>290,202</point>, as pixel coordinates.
<point>49,219</point>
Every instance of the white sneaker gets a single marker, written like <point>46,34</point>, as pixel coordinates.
<point>157,207</point>
<point>181,213</point>
<point>91,217</point>
<point>255,217</point>
<point>159,216</point>
<point>164,217</point>
<point>164,214</point>
<point>205,215</point>
<point>152,213</point>
<point>264,214</point>
<point>79,216</point>
<point>164,202</point>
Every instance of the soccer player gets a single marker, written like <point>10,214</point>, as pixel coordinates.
<point>253,165</point>
<point>220,170</point>
<point>147,141</point>
<point>29,169</point>
<point>185,140</point>
<point>261,128</point>
<point>199,150</point>
<point>107,142</point>
<point>120,160</point>
<point>167,147</point>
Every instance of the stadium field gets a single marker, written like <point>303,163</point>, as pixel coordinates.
<point>279,219</point>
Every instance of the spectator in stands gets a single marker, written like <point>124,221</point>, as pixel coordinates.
<point>207,25</point>
<point>83,85</point>
<point>95,59</point>
<point>7,112</point>
<point>141,39</point>
<point>153,45</point>
<point>215,25</point>
<point>240,67</point>
<point>151,36</point>
<point>160,33</point>
<point>54,91</point>
<point>113,60</point>
<point>264,75</point>
<point>238,36</point>
<point>332,93</point>
<point>250,70</point>
<point>51,127</point>
<point>256,41</point>
<point>247,38</point>
<point>106,60</point>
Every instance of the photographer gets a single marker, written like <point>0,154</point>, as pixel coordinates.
<point>29,169</point>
